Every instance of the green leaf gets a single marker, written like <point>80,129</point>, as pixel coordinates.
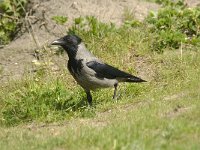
<point>61,20</point>
<point>78,20</point>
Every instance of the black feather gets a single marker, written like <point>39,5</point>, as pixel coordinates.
<point>109,72</point>
<point>75,66</point>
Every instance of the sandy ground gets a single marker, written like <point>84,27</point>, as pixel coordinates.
<point>17,57</point>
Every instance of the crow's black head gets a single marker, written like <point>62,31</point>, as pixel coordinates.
<point>69,43</point>
<point>68,40</point>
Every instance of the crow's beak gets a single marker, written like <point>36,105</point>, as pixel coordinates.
<point>58,42</point>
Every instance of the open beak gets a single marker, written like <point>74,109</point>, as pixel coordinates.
<point>58,42</point>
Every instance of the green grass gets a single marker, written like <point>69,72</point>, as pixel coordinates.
<point>47,110</point>
<point>153,123</point>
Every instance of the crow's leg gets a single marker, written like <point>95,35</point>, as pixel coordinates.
<point>115,91</point>
<point>89,97</point>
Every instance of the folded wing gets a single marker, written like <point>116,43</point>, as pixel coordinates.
<point>106,71</point>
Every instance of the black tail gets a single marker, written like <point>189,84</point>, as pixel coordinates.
<point>134,79</point>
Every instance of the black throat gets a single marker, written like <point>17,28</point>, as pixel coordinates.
<point>75,66</point>
<point>71,51</point>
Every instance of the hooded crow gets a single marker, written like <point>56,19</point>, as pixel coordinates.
<point>89,71</point>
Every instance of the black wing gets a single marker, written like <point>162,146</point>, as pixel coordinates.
<point>109,72</point>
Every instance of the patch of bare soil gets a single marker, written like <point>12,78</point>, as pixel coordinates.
<point>16,58</point>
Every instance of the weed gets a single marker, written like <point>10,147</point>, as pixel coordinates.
<point>91,26</point>
<point>174,24</point>
<point>60,19</point>
<point>10,19</point>
<point>129,19</point>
